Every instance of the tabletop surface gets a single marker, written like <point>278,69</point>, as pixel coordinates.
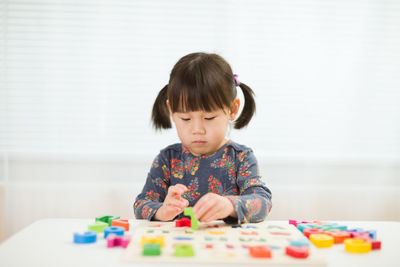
<point>48,242</point>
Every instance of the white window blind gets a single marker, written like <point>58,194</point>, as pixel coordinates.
<point>81,76</point>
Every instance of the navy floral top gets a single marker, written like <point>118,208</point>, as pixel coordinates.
<point>232,171</point>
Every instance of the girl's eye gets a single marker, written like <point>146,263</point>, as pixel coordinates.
<point>185,119</point>
<point>210,118</point>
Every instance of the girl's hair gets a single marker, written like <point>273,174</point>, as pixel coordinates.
<point>201,81</point>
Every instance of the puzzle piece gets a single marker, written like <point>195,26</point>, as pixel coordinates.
<point>107,219</point>
<point>356,245</point>
<point>153,240</point>
<point>339,236</point>
<point>300,252</point>
<point>188,211</point>
<point>97,226</point>
<point>120,222</point>
<point>114,241</point>
<point>114,230</point>
<point>184,250</point>
<point>183,222</point>
<point>260,252</point>
<point>151,250</point>
<point>322,240</point>
<point>85,238</point>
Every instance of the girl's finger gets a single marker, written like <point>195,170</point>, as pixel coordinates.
<point>204,208</point>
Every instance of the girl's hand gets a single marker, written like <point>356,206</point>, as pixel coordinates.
<point>213,207</point>
<point>173,203</point>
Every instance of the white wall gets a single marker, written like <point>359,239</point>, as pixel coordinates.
<point>78,80</point>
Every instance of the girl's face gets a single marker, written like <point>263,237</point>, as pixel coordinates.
<point>202,132</point>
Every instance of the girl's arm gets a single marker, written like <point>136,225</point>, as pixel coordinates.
<point>254,200</point>
<point>154,191</point>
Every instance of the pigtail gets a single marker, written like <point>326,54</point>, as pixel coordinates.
<point>160,113</point>
<point>249,107</point>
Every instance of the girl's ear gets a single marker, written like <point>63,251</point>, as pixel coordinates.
<point>234,109</point>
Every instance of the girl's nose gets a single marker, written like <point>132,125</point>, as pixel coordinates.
<point>198,128</point>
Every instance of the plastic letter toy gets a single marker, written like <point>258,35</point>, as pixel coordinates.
<point>184,250</point>
<point>122,223</point>
<point>85,238</point>
<point>260,251</point>
<point>355,245</point>
<point>152,240</point>
<point>183,222</point>
<point>97,226</point>
<point>339,237</point>
<point>322,240</point>
<point>114,230</point>
<point>308,231</point>
<point>114,241</point>
<point>151,249</point>
<point>188,211</point>
<point>300,242</point>
<point>297,252</point>
<point>107,219</point>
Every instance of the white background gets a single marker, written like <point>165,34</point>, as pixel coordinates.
<point>78,80</point>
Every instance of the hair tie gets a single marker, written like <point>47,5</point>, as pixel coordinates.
<point>235,76</point>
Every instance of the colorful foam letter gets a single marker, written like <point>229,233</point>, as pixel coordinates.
<point>85,238</point>
<point>356,245</point>
<point>97,226</point>
<point>107,219</point>
<point>114,230</point>
<point>188,211</point>
<point>184,250</point>
<point>260,251</point>
<point>122,223</point>
<point>322,240</point>
<point>114,241</point>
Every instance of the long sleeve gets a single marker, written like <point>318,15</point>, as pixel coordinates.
<point>155,189</point>
<point>254,200</point>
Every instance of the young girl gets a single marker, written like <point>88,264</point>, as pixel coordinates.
<point>216,176</point>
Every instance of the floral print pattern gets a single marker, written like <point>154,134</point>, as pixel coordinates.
<point>193,190</point>
<point>232,171</point>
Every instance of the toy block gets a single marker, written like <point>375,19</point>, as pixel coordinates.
<point>372,233</point>
<point>107,219</point>
<point>308,231</point>
<point>188,211</point>
<point>294,222</point>
<point>152,240</point>
<point>339,236</point>
<point>117,241</point>
<point>120,222</point>
<point>375,244</point>
<point>299,242</point>
<point>184,250</point>
<point>302,226</point>
<point>118,230</point>
<point>356,245</point>
<point>359,235</point>
<point>322,240</point>
<point>151,249</point>
<point>85,238</point>
<point>300,252</point>
<point>260,251</point>
<point>183,222</point>
<point>97,226</point>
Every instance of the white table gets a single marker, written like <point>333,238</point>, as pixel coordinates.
<point>48,242</point>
